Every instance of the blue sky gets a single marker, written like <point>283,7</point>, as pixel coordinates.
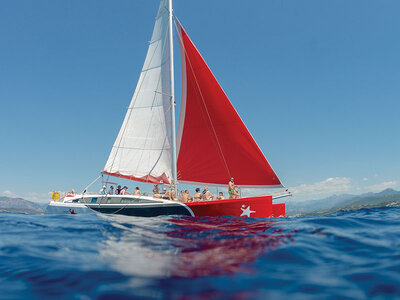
<point>316,83</point>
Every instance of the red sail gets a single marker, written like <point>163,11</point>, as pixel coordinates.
<point>213,142</point>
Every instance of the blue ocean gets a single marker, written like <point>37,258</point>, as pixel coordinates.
<point>345,255</point>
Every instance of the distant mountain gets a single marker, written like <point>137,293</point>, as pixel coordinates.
<point>388,197</point>
<point>384,198</point>
<point>20,205</point>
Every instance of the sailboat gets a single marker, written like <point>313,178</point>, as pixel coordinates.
<point>211,145</point>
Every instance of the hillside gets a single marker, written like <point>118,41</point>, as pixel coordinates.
<point>388,197</point>
<point>19,205</point>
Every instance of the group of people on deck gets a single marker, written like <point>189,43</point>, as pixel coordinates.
<point>185,196</point>
<point>163,194</point>
<point>118,191</point>
<point>205,195</point>
<point>200,196</point>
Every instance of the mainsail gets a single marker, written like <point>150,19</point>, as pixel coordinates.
<point>142,150</point>
<point>213,142</point>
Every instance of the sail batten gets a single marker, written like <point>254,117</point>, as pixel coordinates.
<point>213,142</point>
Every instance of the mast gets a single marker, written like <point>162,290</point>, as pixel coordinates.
<point>172,85</point>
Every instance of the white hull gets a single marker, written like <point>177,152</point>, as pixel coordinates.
<point>57,207</point>
<point>118,204</point>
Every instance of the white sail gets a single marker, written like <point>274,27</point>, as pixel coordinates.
<point>142,150</point>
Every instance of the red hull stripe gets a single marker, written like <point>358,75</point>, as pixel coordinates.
<point>163,179</point>
<point>261,207</point>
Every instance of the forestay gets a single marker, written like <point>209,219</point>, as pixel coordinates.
<point>142,150</point>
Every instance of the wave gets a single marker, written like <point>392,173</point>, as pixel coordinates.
<point>346,254</point>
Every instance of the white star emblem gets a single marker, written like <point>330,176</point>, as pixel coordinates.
<point>247,211</point>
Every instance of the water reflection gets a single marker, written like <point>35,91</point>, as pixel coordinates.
<point>189,247</point>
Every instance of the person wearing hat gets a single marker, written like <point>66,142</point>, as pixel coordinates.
<point>103,191</point>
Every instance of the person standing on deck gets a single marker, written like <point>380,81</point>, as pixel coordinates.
<point>233,194</point>
<point>103,191</point>
<point>118,191</point>
<point>111,191</point>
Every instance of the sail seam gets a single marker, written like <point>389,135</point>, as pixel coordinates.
<point>143,107</point>
<point>134,148</point>
<point>155,67</point>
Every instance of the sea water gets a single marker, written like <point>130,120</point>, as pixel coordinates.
<point>346,255</point>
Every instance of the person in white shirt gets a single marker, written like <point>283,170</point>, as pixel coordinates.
<point>103,191</point>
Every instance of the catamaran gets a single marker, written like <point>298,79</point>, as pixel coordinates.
<point>211,145</point>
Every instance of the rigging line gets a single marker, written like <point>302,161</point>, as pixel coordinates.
<point>133,103</point>
<point>103,195</point>
<point>202,98</point>
<point>91,183</point>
